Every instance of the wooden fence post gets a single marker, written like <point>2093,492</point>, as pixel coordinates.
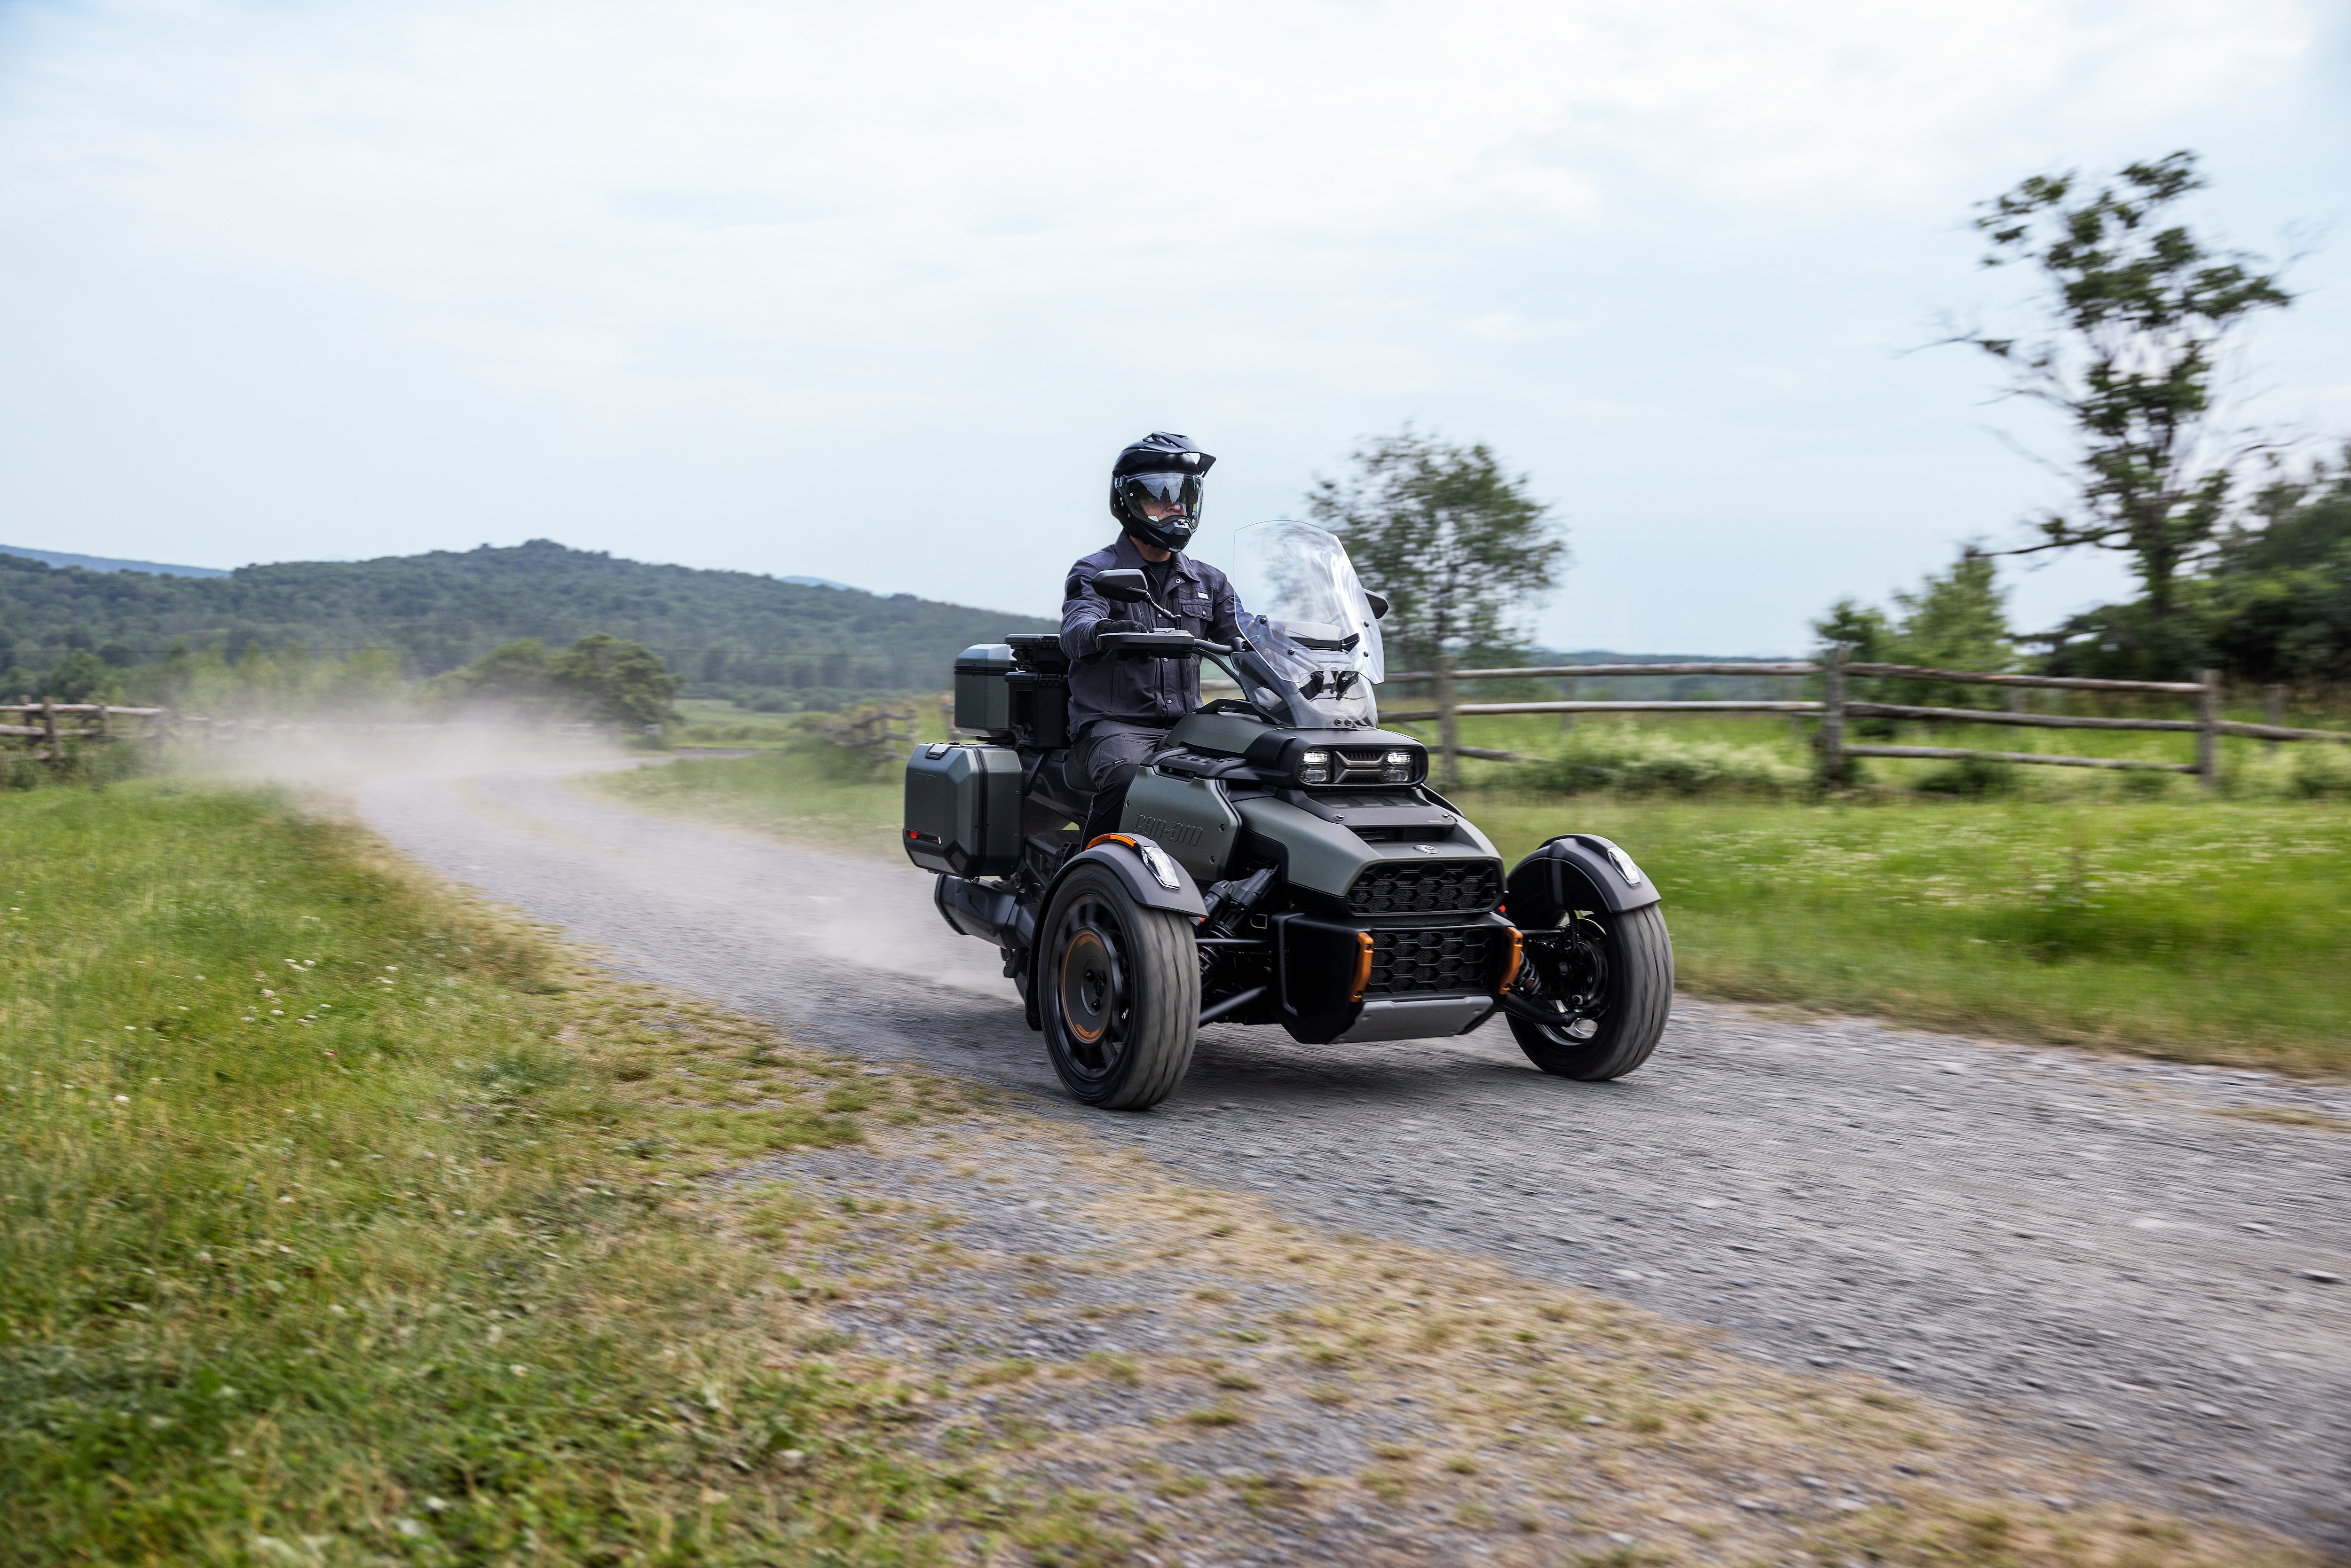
<point>1833,764</point>
<point>1449,727</point>
<point>2207,737</point>
<point>2273,713</point>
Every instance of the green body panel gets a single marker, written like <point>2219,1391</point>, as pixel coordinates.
<point>1326,857</point>
<point>1188,818</point>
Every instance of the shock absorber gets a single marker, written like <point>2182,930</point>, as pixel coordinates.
<point>1229,902</point>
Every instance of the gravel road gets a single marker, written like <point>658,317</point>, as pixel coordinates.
<point>2136,1258</point>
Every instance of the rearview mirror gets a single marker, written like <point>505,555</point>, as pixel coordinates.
<point>1379,604</point>
<point>1126,586</point>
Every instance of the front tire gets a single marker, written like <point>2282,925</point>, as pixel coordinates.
<point>1119,993</point>
<point>1611,979</point>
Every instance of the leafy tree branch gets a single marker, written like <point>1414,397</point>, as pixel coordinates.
<point>2140,314</point>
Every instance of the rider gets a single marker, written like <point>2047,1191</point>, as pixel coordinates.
<point>1121,708</point>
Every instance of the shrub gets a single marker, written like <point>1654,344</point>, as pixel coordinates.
<point>2322,771</point>
<point>1631,760</point>
<point>1975,777</point>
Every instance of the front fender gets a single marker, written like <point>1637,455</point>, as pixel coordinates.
<point>1123,854</point>
<point>1575,871</point>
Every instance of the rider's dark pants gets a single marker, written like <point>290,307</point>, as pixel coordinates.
<point>1108,757</point>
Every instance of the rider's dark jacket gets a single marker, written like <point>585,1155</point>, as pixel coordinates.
<point>1141,691</point>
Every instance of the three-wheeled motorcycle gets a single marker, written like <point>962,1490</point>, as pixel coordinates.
<point>1281,860</point>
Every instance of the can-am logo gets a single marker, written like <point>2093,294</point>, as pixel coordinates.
<point>1167,833</point>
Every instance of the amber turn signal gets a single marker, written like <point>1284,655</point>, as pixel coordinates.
<point>1363,968</point>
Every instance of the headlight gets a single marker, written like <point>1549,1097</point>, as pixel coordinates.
<point>1396,767</point>
<point>1314,767</point>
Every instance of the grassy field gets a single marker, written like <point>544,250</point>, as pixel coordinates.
<point>340,1222</point>
<point>2212,930</point>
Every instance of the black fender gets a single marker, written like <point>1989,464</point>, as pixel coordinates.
<point>1575,871</point>
<point>1122,853</point>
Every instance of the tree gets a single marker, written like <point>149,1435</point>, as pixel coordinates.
<point>1957,620</point>
<point>2140,318</point>
<point>621,682</point>
<point>512,673</point>
<point>80,677</point>
<point>1457,544</point>
<point>599,677</point>
<point>2278,605</point>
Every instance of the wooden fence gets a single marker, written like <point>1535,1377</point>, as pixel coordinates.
<point>1837,708</point>
<point>44,727</point>
<point>871,734</point>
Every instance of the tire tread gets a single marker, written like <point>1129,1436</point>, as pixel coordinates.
<point>1644,953</point>
<point>1167,972</point>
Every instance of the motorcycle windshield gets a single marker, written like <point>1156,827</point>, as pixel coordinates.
<point>1297,574</point>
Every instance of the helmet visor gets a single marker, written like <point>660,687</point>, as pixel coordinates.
<point>1162,498</point>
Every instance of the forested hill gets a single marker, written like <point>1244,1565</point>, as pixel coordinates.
<point>726,631</point>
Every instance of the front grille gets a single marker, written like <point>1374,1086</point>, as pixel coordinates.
<point>1425,887</point>
<point>1406,962</point>
<point>1359,766</point>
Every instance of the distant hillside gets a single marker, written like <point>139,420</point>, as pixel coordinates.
<point>729,633</point>
<point>109,563</point>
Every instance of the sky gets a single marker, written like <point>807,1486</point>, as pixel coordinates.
<point>874,293</point>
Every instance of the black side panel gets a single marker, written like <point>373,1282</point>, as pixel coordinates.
<point>1315,962</point>
<point>1574,872</point>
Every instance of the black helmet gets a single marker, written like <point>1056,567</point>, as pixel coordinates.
<point>1163,471</point>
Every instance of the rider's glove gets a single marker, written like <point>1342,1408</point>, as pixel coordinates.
<point>1119,623</point>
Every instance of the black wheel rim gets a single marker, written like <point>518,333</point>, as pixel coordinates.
<point>1090,985</point>
<point>1570,971</point>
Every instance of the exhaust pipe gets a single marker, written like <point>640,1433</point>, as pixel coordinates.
<point>989,914</point>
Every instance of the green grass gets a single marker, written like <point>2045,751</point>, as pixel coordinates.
<point>2075,909</point>
<point>706,721</point>
<point>804,789</point>
<point>2211,931</point>
<point>341,1223</point>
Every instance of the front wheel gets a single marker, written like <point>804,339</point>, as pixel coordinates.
<point>1119,993</point>
<point>1609,979</point>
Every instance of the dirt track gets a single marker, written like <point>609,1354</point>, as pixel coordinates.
<point>2094,1249</point>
